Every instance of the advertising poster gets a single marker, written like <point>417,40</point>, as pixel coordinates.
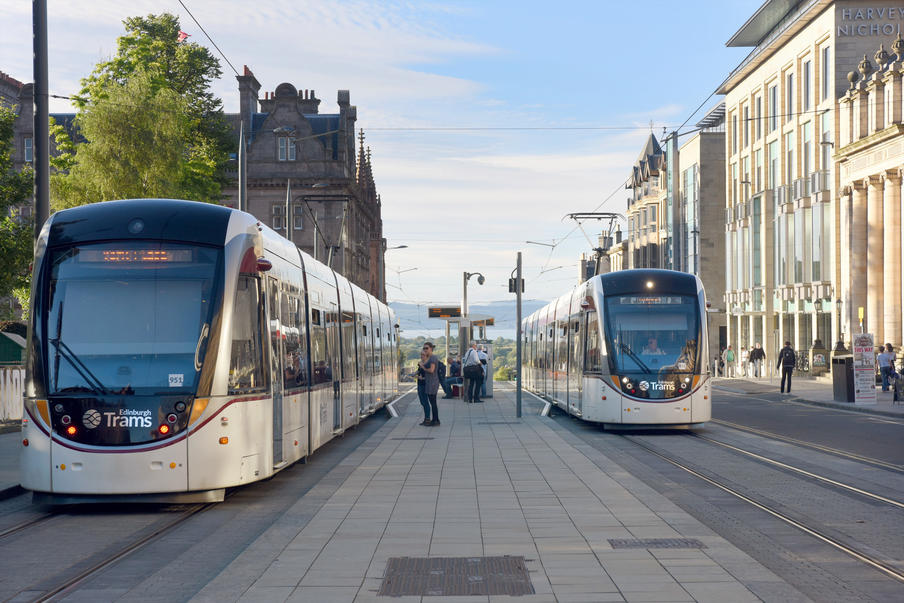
<point>864,369</point>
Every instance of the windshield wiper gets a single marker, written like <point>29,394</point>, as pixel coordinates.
<point>627,350</point>
<point>63,350</point>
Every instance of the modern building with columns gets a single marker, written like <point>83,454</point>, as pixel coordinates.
<point>785,278</point>
<point>870,157</point>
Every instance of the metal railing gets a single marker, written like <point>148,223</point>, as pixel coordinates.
<point>801,188</point>
<point>782,194</point>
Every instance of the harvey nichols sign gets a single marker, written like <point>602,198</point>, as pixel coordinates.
<point>853,21</point>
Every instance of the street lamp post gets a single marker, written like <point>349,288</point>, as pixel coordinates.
<point>383,268</point>
<point>464,333</point>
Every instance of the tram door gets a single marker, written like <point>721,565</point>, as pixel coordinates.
<point>575,360</point>
<point>276,373</point>
<point>332,335</point>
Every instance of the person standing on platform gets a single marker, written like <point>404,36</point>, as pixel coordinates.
<point>886,365</point>
<point>482,354</point>
<point>431,384</point>
<point>787,359</point>
<point>473,372</point>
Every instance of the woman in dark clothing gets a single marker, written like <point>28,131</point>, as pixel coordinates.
<point>428,364</point>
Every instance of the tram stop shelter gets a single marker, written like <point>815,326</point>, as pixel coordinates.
<point>469,328</point>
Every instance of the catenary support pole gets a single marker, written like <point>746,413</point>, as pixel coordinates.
<point>518,339</point>
<point>41,143</point>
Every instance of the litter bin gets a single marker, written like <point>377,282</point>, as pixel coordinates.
<point>843,378</point>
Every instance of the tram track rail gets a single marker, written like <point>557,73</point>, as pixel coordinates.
<point>69,583</point>
<point>811,445</point>
<point>822,535</point>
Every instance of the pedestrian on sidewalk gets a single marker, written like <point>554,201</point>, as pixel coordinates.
<point>473,372</point>
<point>728,357</point>
<point>428,364</point>
<point>757,358</point>
<point>886,365</point>
<point>744,369</point>
<point>787,359</point>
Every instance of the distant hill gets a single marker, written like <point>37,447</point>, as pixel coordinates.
<point>413,317</point>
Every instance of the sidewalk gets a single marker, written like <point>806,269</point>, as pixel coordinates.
<point>817,392</point>
<point>489,505</point>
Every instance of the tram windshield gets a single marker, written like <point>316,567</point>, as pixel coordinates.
<point>652,334</point>
<point>128,317</point>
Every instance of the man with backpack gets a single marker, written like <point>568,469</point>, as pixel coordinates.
<point>728,357</point>
<point>787,359</point>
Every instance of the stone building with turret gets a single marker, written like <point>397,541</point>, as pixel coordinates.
<point>305,179</point>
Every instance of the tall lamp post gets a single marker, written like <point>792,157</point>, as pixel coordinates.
<point>383,268</point>
<point>464,333</point>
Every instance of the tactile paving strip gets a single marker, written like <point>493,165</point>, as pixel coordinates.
<point>656,543</point>
<point>456,576</point>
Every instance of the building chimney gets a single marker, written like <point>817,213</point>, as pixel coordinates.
<point>249,88</point>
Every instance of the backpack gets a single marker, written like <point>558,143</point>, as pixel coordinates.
<point>730,356</point>
<point>440,370</point>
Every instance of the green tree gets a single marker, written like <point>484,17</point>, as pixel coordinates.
<point>16,188</point>
<point>152,78</point>
<point>138,146</point>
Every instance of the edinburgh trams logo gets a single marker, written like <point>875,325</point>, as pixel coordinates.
<point>120,418</point>
<point>656,386</point>
<point>91,418</point>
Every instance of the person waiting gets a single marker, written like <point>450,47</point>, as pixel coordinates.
<point>453,378</point>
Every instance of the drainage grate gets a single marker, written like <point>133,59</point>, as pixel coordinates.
<point>656,543</point>
<point>456,576</point>
<point>411,438</point>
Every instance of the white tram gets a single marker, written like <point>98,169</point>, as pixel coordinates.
<point>178,348</point>
<point>626,348</point>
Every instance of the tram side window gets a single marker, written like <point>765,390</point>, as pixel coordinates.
<point>295,371</point>
<point>592,355</point>
<point>246,369</point>
<point>320,355</point>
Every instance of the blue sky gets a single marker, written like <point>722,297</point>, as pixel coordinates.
<point>460,200</point>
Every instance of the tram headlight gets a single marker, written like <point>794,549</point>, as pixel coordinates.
<point>163,429</point>
<point>180,406</point>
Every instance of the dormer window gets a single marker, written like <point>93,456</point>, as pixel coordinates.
<point>286,148</point>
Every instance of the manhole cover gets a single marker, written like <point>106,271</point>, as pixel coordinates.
<point>656,543</point>
<point>456,576</point>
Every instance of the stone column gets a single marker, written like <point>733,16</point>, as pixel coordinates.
<point>875,281</point>
<point>858,253</point>
<point>892,257</point>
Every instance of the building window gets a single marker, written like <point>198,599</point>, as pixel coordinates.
<point>773,108</point>
<point>789,96</point>
<point>734,134</point>
<point>746,126</point>
<point>826,73</point>
<point>297,215</point>
<point>825,150</point>
<point>277,215</point>
<point>789,158</point>
<point>806,150</point>
<point>29,150</point>
<point>806,85</point>
<point>772,160</point>
<point>759,118</point>
<point>286,146</point>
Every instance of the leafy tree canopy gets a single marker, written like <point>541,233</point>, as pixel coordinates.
<point>16,245</point>
<point>139,145</point>
<point>151,124</point>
